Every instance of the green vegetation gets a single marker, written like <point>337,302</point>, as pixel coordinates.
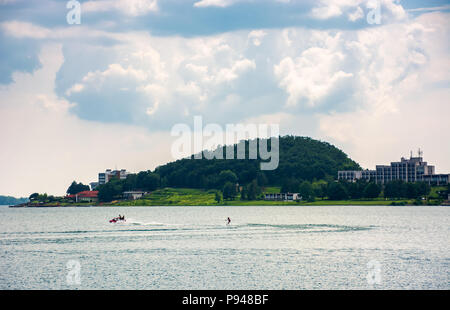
<point>229,191</point>
<point>199,197</point>
<point>300,158</point>
<point>439,192</point>
<point>8,200</point>
<point>400,189</point>
<point>144,181</point>
<point>76,188</point>
<point>335,193</point>
<point>175,197</point>
<point>306,166</point>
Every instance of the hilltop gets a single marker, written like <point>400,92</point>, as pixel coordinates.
<point>301,158</point>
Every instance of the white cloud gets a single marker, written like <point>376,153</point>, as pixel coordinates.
<point>44,148</point>
<point>25,30</point>
<point>390,10</point>
<point>218,3</point>
<point>405,100</point>
<point>115,71</point>
<point>181,74</point>
<point>356,15</point>
<point>75,89</point>
<point>256,36</point>
<point>359,89</point>
<point>325,12</point>
<point>226,3</point>
<point>127,7</point>
<point>431,9</point>
<point>312,76</point>
<point>239,67</point>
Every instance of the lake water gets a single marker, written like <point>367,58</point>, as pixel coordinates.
<point>289,247</point>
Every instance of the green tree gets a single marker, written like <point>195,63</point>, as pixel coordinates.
<point>336,191</point>
<point>356,189</point>
<point>423,189</point>
<point>411,190</point>
<point>306,191</point>
<point>320,188</point>
<point>227,176</point>
<point>42,197</point>
<point>395,189</point>
<point>253,190</point>
<point>33,196</point>
<point>261,179</point>
<point>76,188</point>
<point>372,190</point>
<point>146,180</point>
<point>290,185</point>
<point>130,182</point>
<point>110,191</point>
<point>229,191</point>
<point>244,193</point>
<point>218,197</point>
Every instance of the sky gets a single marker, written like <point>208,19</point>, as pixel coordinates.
<point>369,76</point>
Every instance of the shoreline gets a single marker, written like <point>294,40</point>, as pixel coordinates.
<point>345,204</point>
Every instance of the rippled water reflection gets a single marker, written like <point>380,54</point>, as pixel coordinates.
<point>193,248</point>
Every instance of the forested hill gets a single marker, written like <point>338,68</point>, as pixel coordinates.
<point>301,158</point>
<point>8,200</point>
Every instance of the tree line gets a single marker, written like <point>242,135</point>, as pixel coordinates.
<point>306,166</point>
<point>398,189</point>
<point>228,187</point>
<point>143,181</point>
<point>301,158</point>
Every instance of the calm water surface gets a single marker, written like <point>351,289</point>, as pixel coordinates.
<point>336,247</point>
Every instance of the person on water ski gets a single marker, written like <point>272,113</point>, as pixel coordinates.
<point>228,221</point>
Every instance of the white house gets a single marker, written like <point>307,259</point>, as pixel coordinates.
<point>133,195</point>
<point>283,196</point>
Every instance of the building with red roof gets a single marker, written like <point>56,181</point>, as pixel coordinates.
<point>86,196</point>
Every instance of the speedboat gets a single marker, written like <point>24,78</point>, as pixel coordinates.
<point>117,220</point>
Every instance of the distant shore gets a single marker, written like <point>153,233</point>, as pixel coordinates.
<point>140,203</point>
<point>198,197</point>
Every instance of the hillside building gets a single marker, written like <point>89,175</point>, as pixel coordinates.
<point>413,169</point>
<point>105,177</point>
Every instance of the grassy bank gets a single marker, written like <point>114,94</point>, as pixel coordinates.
<point>174,197</point>
<point>198,197</point>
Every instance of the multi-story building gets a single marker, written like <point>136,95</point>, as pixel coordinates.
<point>105,177</point>
<point>283,196</point>
<point>413,169</point>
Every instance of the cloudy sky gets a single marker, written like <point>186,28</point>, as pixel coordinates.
<point>76,99</point>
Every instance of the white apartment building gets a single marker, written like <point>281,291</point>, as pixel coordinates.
<point>105,177</point>
<point>413,169</point>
